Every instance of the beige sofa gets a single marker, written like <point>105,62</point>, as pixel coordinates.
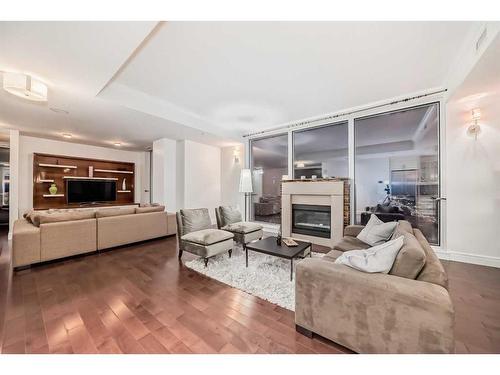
<point>62,234</point>
<point>408,310</point>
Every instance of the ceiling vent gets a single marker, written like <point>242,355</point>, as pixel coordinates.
<point>481,39</point>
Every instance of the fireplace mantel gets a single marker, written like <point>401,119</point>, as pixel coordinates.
<point>332,193</point>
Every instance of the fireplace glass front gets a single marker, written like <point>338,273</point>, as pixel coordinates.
<point>311,220</point>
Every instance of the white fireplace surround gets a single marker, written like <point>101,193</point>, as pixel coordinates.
<point>324,193</point>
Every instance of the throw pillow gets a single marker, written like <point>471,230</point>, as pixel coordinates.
<point>410,259</point>
<point>375,259</point>
<point>376,231</point>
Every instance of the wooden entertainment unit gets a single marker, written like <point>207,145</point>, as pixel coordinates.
<point>55,169</point>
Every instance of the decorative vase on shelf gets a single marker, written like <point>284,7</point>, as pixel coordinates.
<point>124,185</point>
<point>53,189</point>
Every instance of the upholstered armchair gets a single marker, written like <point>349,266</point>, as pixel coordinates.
<point>196,235</point>
<point>229,219</point>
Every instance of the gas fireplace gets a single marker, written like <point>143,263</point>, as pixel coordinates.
<point>311,220</point>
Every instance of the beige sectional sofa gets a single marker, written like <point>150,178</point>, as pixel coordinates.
<point>44,236</point>
<point>408,310</point>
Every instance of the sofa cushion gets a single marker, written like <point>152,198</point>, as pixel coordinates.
<point>149,204</point>
<point>143,210</point>
<point>56,217</point>
<point>332,255</point>
<point>376,231</point>
<point>243,227</point>
<point>207,237</point>
<point>353,230</point>
<point>350,243</point>
<point>402,227</point>
<point>230,215</point>
<point>115,212</point>
<point>433,270</point>
<point>410,259</point>
<point>195,219</point>
<point>376,259</point>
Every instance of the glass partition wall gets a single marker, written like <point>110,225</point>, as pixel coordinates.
<point>395,170</point>
<point>321,152</point>
<point>269,162</point>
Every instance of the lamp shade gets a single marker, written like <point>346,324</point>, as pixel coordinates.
<point>246,181</point>
<point>25,86</point>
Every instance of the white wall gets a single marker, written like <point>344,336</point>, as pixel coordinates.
<point>472,170</point>
<point>473,184</point>
<point>187,174</point>
<point>165,173</point>
<point>202,176</point>
<point>30,145</point>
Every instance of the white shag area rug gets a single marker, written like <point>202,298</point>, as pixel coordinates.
<point>267,277</point>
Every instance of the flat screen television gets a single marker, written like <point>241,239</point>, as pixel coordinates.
<point>89,191</point>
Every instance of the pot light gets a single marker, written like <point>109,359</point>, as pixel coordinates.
<point>67,135</point>
<point>25,86</point>
<point>117,144</point>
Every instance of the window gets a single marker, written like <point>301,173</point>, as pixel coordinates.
<point>397,168</point>
<point>269,161</point>
<point>321,152</point>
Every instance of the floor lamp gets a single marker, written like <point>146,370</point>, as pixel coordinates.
<point>246,187</point>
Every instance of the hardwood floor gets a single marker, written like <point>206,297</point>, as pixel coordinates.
<point>140,299</point>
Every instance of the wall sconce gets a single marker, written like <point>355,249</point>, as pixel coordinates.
<point>474,129</point>
<point>236,154</point>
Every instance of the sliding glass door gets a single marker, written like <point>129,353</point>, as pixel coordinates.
<point>269,162</point>
<point>397,168</point>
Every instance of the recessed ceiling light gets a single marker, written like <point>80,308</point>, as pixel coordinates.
<point>25,86</point>
<point>59,110</point>
<point>67,135</point>
<point>117,144</point>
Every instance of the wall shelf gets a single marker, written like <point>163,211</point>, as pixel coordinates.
<point>124,191</point>
<point>53,195</point>
<point>113,171</point>
<point>89,178</point>
<point>56,166</point>
<point>62,170</point>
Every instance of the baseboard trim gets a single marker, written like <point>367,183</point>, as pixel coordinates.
<point>457,256</point>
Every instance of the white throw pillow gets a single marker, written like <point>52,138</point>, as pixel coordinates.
<point>375,259</point>
<point>376,231</point>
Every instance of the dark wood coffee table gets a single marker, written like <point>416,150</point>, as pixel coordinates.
<point>270,247</point>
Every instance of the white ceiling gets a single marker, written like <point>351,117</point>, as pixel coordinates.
<point>76,60</point>
<point>211,82</point>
